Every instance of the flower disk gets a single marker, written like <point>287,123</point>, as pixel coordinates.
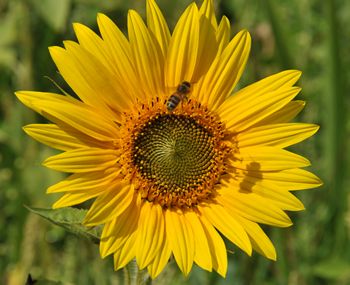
<point>173,179</point>
<point>179,156</point>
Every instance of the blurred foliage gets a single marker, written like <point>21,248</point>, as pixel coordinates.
<point>309,35</point>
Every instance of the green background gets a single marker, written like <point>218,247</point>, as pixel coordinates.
<point>309,35</point>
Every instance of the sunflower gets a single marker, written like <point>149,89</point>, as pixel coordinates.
<point>173,159</point>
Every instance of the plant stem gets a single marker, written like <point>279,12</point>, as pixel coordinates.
<point>134,276</point>
<point>335,142</point>
<point>282,41</point>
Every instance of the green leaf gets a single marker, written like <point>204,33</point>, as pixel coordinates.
<point>70,219</point>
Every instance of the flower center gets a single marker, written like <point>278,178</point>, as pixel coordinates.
<point>178,157</point>
<point>174,152</point>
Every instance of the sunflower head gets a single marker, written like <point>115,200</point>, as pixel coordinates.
<point>172,158</point>
<point>175,157</point>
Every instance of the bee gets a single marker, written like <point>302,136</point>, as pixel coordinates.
<point>181,93</point>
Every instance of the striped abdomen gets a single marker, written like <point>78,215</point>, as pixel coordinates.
<point>173,101</point>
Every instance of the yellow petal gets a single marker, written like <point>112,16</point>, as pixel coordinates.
<point>63,137</point>
<point>84,182</point>
<point>225,71</point>
<point>31,98</point>
<point>227,225</point>
<point>109,205</point>
<point>253,207</point>
<point>183,48</point>
<point>125,253</point>
<point>71,199</point>
<point>160,261</point>
<point>83,160</point>
<point>111,244</point>
<point>79,77</point>
<point>279,197</point>
<point>150,233</point>
<point>118,48</point>
<point>240,116</point>
<point>217,247</point>
<point>126,222</point>
<point>281,80</point>
<point>105,88</point>
<point>207,10</point>
<point>114,244</point>
<point>260,241</point>
<point>147,55</point>
<point>283,115</point>
<point>223,34</point>
<point>65,110</point>
<point>266,158</point>
<point>181,240</point>
<point>289,179</point>
<point>207,34</point>
<point>80,118</point>
<point>92,43</point>
<point>116,231</point>
<point>54,136</point>
<point>202,255</point>
<point>114,37</point>
<point>157,25</point>
<point>277,135</point>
